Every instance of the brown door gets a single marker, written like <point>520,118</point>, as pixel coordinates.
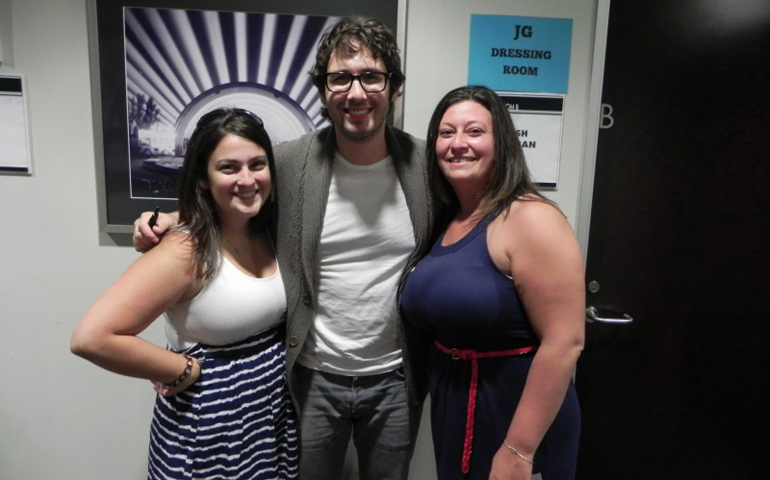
<point>680,227</point>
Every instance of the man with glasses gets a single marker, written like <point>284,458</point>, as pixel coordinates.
<point>353,211</point>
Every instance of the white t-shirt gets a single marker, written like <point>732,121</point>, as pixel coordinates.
<point>366,241</point>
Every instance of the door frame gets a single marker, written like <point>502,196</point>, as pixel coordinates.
<point>593,123</point>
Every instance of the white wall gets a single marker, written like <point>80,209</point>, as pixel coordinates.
<point>61,417</point>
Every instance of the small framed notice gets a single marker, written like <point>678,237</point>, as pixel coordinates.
<point>15,156</point>
<point>538,120</point>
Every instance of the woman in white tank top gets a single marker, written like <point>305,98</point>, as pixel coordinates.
<point>222,406</point>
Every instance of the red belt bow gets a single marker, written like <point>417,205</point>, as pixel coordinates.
<point>473,356</point>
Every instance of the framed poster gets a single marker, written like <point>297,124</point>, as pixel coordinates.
<point>157,66</point>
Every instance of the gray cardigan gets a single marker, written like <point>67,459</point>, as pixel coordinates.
<point>303,177</point>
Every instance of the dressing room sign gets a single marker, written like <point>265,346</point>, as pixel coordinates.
<point>521,54</point>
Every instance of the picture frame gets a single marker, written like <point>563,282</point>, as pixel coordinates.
<point>158,65</point>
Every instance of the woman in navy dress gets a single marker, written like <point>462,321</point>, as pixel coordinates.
<point>502,294</point>
<point>223,409</point>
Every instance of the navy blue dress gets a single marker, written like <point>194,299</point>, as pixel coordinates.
<point>458,296</point>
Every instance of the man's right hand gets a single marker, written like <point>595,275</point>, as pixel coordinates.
<point>145,237</point>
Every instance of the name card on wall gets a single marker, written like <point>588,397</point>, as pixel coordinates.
<point>538,120</point>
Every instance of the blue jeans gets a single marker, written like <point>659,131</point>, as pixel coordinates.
<point>373,409</point>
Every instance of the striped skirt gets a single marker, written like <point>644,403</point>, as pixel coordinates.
<point>236,422</point>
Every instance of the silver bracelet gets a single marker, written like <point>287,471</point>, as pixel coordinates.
<point>516,452</point>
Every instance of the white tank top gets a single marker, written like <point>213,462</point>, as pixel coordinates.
<point>231,307</point>
<point>366,240</point>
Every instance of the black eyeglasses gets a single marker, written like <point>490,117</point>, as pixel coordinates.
<point>214,115</point>
<point>371,82</point>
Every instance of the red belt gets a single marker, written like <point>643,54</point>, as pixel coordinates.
<point>473,356</point>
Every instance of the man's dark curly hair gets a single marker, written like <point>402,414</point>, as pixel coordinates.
<point>351,35</point>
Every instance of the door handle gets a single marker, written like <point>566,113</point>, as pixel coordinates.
<point>593,316</point>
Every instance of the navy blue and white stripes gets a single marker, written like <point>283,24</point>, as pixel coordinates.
<point>236,423</point>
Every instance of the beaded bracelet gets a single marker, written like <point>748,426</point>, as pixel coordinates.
<point>186,373</point>
<point>516,452</point>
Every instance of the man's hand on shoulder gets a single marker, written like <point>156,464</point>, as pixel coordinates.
<point>146,237</point>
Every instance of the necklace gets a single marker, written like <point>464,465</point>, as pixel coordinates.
<point>239,252</point>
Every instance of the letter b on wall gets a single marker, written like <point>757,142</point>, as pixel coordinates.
<point>607,120</point>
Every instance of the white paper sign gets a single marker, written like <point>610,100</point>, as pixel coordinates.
<point>538,120</point>
<point>14,139</point>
